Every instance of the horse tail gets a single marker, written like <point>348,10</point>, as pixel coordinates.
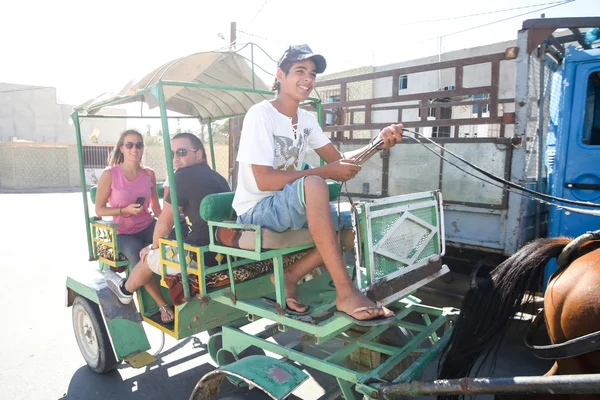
<point>489,306</point>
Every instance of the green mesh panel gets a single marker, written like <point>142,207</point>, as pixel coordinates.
<point>407,239</point>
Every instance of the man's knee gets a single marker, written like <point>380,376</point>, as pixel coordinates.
<point>314,185</point>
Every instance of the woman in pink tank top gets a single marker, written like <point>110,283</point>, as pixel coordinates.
<point>120,188</point>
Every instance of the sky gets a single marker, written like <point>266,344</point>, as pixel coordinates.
<point>85,48</point>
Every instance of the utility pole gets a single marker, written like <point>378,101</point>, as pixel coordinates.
<point>233,36</point>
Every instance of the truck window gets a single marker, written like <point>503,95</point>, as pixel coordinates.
<point>591,121</point>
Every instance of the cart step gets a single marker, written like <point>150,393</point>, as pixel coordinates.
<point>140,359</point>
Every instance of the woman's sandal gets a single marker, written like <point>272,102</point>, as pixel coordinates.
<point>167,310</point>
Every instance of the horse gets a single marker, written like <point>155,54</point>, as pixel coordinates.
<point>571,308</point>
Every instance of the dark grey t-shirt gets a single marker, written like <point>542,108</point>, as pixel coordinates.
<point>193,184</point>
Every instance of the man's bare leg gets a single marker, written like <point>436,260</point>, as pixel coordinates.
<point>320,225</point>
<point>305,265</point>
<point>142,275</point>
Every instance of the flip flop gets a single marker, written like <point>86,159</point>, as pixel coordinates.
<point>377,321</point>
<point>288,310</point>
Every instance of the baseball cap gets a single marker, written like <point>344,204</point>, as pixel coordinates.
<point>302,52</point>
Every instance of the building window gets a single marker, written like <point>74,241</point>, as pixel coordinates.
<point>331,114</point>
<point>591,119</point>
<point>403,82</point>
<point>443,131</point>
<point>430,112</point>
<point>476,106</point>
<point>440,131</point>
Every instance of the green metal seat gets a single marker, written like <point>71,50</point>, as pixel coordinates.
<point>217,207</point>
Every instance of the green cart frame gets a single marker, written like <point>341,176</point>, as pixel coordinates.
<point>399,242</point>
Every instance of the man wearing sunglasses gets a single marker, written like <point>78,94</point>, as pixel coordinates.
<point>194,180</point>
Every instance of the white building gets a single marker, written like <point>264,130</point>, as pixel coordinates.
<point>474,76</point>
<point>32,113</point>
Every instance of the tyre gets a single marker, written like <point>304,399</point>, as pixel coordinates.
<point>92,337</point>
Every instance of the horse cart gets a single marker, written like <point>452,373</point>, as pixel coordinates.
<point>399,242</point>
<point>398,245</point>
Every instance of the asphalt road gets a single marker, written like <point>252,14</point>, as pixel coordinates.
<point>43,237</point>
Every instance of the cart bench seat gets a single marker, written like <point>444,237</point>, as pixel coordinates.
<point>256,241</point>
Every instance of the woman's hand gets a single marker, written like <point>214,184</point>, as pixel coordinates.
<point>132,209</point>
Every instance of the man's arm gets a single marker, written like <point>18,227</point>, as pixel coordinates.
<point>154,203</point>
<point>270,179</point>
<point>340,167</point>
<point>163,225</point>
<point>390,136</point>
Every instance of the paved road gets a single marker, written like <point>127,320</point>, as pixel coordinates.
<point>43,237</point>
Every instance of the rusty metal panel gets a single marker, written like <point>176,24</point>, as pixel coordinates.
<point>459,187</point>
<point>474,227</point>
<point>413,168</point>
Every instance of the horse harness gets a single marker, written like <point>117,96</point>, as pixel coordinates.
<point>574,347</point>
<point>571,348</point>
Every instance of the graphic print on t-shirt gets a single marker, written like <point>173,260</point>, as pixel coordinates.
<point>287,153</point>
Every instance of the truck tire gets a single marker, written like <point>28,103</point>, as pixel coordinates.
<point>92,337</point>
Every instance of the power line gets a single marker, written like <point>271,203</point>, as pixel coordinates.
<point>506,19</point>
<point>494,22</point>
<point>486,13</point>
<point>546,6</point>
<point>257,13</point>
<point>262,37</point>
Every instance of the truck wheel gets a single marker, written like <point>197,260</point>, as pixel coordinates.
<point>92,337</point>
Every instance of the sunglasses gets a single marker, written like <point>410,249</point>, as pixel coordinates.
<point>138,145</point>
<point>182,152</point>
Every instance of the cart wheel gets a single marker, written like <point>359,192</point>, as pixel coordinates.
<point>92,337</point>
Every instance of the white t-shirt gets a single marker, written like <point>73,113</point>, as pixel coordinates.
<point>268,138</point>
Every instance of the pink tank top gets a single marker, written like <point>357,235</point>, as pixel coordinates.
<point>123,193</point>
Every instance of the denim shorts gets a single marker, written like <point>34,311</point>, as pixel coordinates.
<point>286,209</point>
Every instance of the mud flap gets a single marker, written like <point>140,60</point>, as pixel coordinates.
<point>276,378</point>
<point>122,321</point>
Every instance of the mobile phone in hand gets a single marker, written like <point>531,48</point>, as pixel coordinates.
<point>140,201</point>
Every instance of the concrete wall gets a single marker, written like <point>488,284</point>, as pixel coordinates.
<point>33,113</point>
<point>25,165</point>
<point>38,165</point>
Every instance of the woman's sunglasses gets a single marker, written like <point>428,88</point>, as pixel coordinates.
<point>138,145</point>
<point>182,152</point>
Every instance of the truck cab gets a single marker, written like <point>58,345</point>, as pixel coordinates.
<point>574,174</point>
